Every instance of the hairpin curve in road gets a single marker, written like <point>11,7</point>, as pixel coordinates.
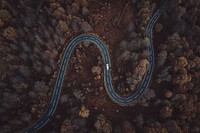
<point>107,72</point>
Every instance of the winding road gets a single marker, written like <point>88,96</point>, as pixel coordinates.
<point>107,72</point>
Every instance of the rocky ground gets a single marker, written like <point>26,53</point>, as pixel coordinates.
<point>35,33</point>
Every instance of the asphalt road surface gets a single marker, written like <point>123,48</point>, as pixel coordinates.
<point>107,72</point>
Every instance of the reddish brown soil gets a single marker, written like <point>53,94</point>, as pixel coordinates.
<point>111,35</point>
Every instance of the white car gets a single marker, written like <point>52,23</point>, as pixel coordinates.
<point>107,66</point>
